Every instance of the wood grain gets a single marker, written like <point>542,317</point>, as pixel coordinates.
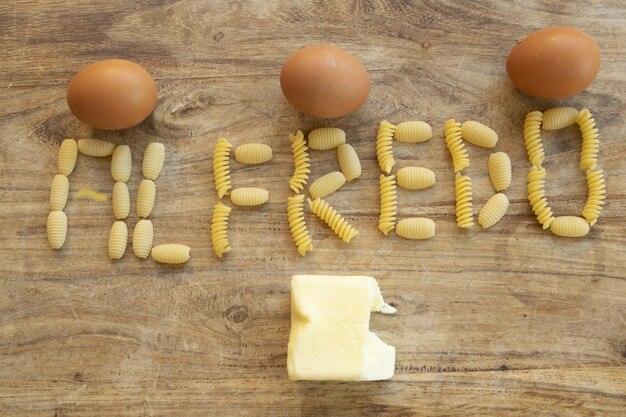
<point>506,321</point>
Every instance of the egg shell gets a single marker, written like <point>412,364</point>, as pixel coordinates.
<point>324,81</point>
<point>554,63</point>
<point>112,94</point>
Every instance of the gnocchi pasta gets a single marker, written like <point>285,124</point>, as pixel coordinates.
<point>249,196</point>
<point>327,184</point>
<point>58,192</point>
<point>143,236</point>
<point>499,166</point>
<point>145,198</point>
<point>537,196</point>
<point>589,153</point>
<point>57,229</point>
<point>325,138</point>
<point>297,224</point>
<point>118,240</point>
<point>532,138</point>
<point>153,159</point>
<point>559,118</point>
<point>349,162</point>
<point>493,210</point>
<point>301,161</point>
<point>333,219</point>
<point>221,166</point>
<point>384,146</point>
<point>120,200</point>
<point>463,190</point>
<point>479,134</point>
<point>413,132</point>
<point>415,178</point>
<point>253,153</point>
<point>595,197</point>
<point>219,229</point>
<point>96,147</point>
<point>416,228</point>
<point>460,157</point>
<point>569,226</point>
<point>121,163</point>
<point>68,153</point>
<point>171,253</point>
<point>388,203</point>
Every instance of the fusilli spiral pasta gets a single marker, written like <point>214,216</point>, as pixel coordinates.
<point>249,196</point>
<point>532,138</point>
<point>569,226</point>
<point>349,162</point>
<point>145,198</point>
<point>301,162</point>
<point>219,229</point>
<point>494,209</point>
<point>384,146</point>
<point>221,166</point>
<point>596,195</point>
<point>589,153</point>
<point>454,142</point>
<point>413,132</point>
<point>121,163</point>
<point>57,229</point>
<point>416,228</point>
<point>388,203</point>
<point>118,240</point>
<point>499,166</point>
<point>142,238</point>
<point>479,134</point>
<point>537,196</point>
<point>171,253</point>
<point>463,190</point>
<point>297,224</point>
<point>326,184</point>
<point>120,200</point>
<point>68,152</point>
<point>153,159</point>
<point>58,192</point>
<point>415,178</point>
<point>559,118</point>
<point>253,153</point>
<point>333,219</point>
<point>95,147</point>
<point>325,138</point>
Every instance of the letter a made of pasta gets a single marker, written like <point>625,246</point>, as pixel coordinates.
<point>384,146</point>
<point>463,190</point>
<point>388,203</point>
<point>301,162</point>
<point>334,220</point>
<point>589,153</point>
<point>297,224</point>
<point>454,142</point>
<point>221,166</point>
<point>219,229</point>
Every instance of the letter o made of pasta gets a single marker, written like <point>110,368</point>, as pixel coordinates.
<point>249,196</point>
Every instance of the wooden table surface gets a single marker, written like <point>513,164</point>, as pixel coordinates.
<point>505,321</point>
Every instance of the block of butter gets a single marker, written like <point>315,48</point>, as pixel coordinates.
<point>330,337</point>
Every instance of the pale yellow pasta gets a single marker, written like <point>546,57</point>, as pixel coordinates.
<point>413,132</point>
<point>499,166</point>
<point>145,198</point>
<point>532,138</point>
<point>297,224</point>
<point>349,161</point>
<point>454,142</point>
<point>249,196</point>
<point>120,199</point>
<point>121,163</point>
<point>463,190</point>
<point>143,236</point>
<point>537,196</point>
<point>596,195</point>
<point>559,118</point>
<point>253,153</point>
<point>57,229</point>
<point>118,240</point>
<point>569,226</point>
<point>388,203</point>
<point>494,209</point>
<point>589,153</point>
<point>68,152</point>
<point>384,146</point>
<point>416,228</point>
<point>325,138</point>
<point>326,184</point>
<point>333,219</point>
<point>95,147</point>
<point>58,192</point>
<point>415,178</point>
<point>221,166</point>
<point>171,253</point>
<point>479,134</point>
<point>153,159</point>
<point>219,229</point>
<point>301,162</point>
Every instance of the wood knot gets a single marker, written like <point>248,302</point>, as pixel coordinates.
<point>218,36</point>
<point>237,314</point>
<point>426,45</point>
<point>78,377</point>
<point>504,368</point>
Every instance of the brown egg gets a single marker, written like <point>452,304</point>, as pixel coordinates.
<point>554,63</point>
<point>324,81</point>
<point>112,94</point>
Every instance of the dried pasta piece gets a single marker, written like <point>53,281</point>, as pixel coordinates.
<point>569,226</point>
<point>120,200</point>
<point>589,153</point>
<point>297,224</point>
<point>413,132</point>
<point>388,203</point>
<point>532,138</point>
<point>96,147</point>
<point>537,196</point>
<point>68,152</point>
<point>145,198</point>
<point>384,146</point>
<point>171,253</point>
<point>121,163</point>
<point>142,238</point>
<point>253,153</point>
<point>221,166</point>
<point>494,209</point>
<point>333,219</point>
<point>479,134</point>
<point>325,138</point>
<point>249,196</point>
<point>499,166</point>
<point>57,229</point>
<point>559,118</point>
<point>219,229</point>
<point>58,192</point>
<point>596,195</point>
<point>349,161</point>
<point>463,190</point>
<point>454,142</point>
<point>415,178</point>
<point>153,159</point>
<point>416,228</point>
<point>327,184</point>
<point>301,162</point>
<point>118,240</point>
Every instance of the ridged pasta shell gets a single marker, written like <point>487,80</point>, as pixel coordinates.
<point>325,138</point>
<point>153,159</point>
<point>253,153</point>
<point>96,147</point>
<point>416,228</point>
<point>118,240</point>
<point>494,209</point>
<point>57,229</point>
<point>249,196</point>
<point>58,192</point>
<point>479,134</point>
<point>171,253</point>
<point>413,132</point>
<point>415,178</point>
<point>68,153</point>
<point>143,236</point>
<point>327,184</point>
<point>145,198</point>
<point>121,163</point>
<point>500,171</point>
<point>569,226</point>
<point>559,118</point>
<point>349,161</point>
<point>120,199</point>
